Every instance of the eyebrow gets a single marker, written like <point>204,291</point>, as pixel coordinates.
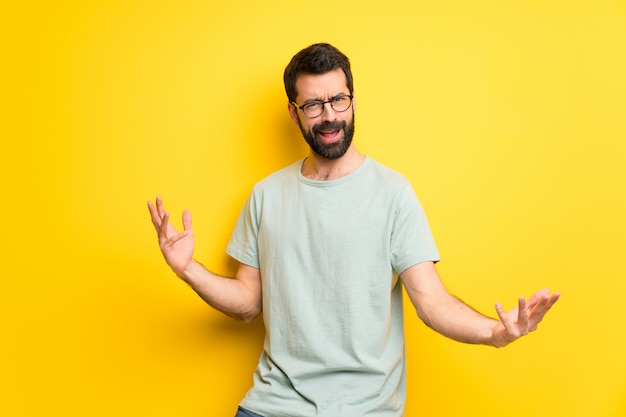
<point>318,100</point>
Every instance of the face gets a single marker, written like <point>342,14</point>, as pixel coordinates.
<point>330,134</point>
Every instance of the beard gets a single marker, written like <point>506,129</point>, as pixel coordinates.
<point>332,150</point>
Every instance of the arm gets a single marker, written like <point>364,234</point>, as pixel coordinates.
<point>452,318</point>
<point>239,297</point>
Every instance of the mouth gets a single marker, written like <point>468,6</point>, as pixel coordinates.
<point>329,136</point>
<point>329,132</point>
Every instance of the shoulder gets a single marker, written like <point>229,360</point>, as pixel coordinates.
<point>278,179</point>
<point>386,175</point>
<point>392,186</point>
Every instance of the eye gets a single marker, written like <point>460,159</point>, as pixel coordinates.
<point>312,106</point>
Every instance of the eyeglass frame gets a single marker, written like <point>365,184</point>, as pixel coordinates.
<point>323,103</point>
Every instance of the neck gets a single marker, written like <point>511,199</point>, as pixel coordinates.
<point>318,168</point>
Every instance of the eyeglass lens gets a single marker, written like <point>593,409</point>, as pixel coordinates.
<point>339,103</point>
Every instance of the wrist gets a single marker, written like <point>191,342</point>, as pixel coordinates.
<point>499,337</point>
<point>189,272</point>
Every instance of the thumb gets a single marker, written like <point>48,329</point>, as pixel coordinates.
<point>187,221</point>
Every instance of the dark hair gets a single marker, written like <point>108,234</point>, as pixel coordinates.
<point>315,59</point>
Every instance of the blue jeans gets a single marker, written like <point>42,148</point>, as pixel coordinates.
<point>242,412</point>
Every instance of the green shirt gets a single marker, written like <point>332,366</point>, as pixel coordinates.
<point>330,253</point>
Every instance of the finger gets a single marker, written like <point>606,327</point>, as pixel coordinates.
<point>159,204</point>
<point>522,318</point>
<point>502,316</point>
<point>154,216</point>
<point>187,221</point>
<point>538,296</point>
<point>168,235</point>
<point>555,297</point>
<point>172,240</point>
<point>542,308</point>
<point>164,225</point>
<point>548,305</point>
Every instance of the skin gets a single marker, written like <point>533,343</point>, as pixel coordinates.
<point>241,296</point>
<point>238,297</point>
<point>323,87</point>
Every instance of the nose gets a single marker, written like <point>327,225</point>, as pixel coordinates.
<point>328,114</point>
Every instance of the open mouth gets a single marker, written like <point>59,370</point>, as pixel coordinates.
<point>329,135</point>
<point>329,132</point>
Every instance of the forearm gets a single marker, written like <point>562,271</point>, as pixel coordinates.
<point>453,318</point>
<point>238,297</point>
<point>444,312</point>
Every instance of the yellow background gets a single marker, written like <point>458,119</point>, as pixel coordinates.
<point>507,116</point>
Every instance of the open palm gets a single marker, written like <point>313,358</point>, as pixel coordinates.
<point>177,247</point>
<point>523,318</point>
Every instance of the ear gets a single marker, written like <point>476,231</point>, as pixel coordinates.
<point>293,113</point>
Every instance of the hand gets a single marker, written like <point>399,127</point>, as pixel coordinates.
<point>522,319</point>
<point>177,247</point>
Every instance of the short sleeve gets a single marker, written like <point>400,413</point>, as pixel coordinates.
<point>411,239</point>
<point>243,244</point>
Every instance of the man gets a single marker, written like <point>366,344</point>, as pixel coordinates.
<point>325,246</point>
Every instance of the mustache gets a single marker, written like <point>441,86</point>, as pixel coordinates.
<point>328,126</point>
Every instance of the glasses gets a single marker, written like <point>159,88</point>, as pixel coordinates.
<point>315,109</point>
